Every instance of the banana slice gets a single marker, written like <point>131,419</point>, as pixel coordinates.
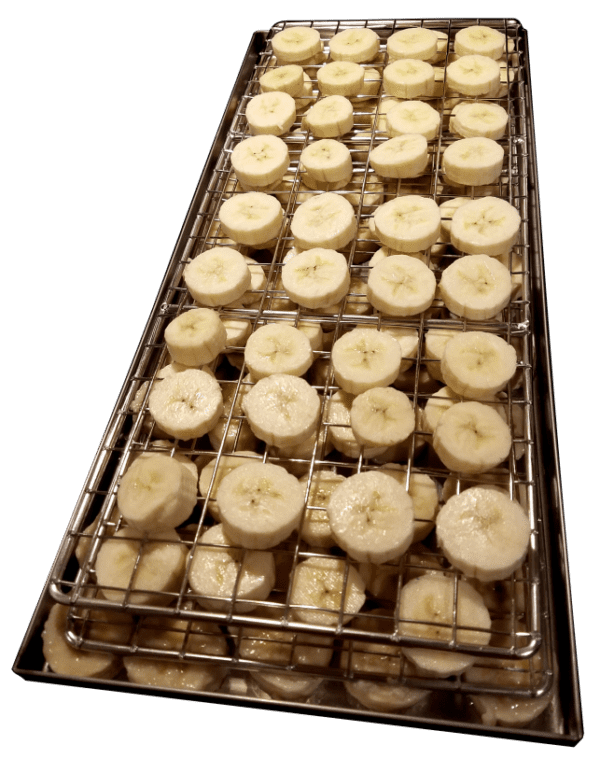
<point>326,591</point>
<point>326,220</point>
<point>408,224</point>
<point>296,44</point>
<point>315,529</point>
<point>289,78</point>
<point>371,517</point>
<point>224,575</point>
<point>260,504</point>
<point>271,113</point>
<point>282,410</point>
<point>364,358</point>
<point>401,157</point>
<point>483,533</point>
<point>472,437</point>
<point>476,287</point>
<point>195,337</point>
<point>413,42</point>
<point>371,87</point>
<point>138,570</point>
<point>473,161</point>
<point>340,430</point>
<point>359,45</point>
<point>278,348</point>
<point>382,416</point>
<point>480,40</point>
<point>260,161</point>
<point>341,78</point>
<point>254,293</point>
<point>251,218</point>
<point>439,402</point>
<point>479,119</point>
<point>447,211</point>
<point>409,78</point>
<point>187,404</point>
<point>316,278</point>
<point>327,160</point>
<point>485,225</point>
<point>157,492</point>
<point>401,285</point>
<point>332,116</point>
<point>217,276</point>
<point>413,117</point>
<point>427,610</point>
<point>425,495</point>
<point>474,75</point>
<point>213,472</point>
<point>477,364</point>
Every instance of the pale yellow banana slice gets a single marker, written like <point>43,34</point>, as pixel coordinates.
<point>413,117</point>
<point>427,610</point>
<point>479,119</point>
<point>486,225</point>
<point>251,218</point>
<point>157,492</point>
<point>478,364</point>
<point>187,404</point>
<point>315,529</point>
<point>217,276</point>
<point>260,161</point>
<point>473,161</point>
<point>409,78</point>
<point>425,495</point>
<point>382,416</point>
<point>271,113</point>
<point>326,591</point>
<point>474,75</point>
<point>260,504</point>
<point>296,44</point>
<point>413,42</point>
<point>138,570</point>
<point>195,337</point>
<point>476,287</point>
<point>220,571</point>
<point>401,157</point>
<point>401,285</point>
<point>213,472</point>
<point>360,45</point>
<point>332,116</point>
<point>327,160</point>
<point>483,533</point>
<point>365,358</point>
<point>316,278</point>
<point>408,224</point>
<point>278,348</point>
<point>480,40</point>
<point>471,437</point>
<point>341,78</point>
<point>326,220</point>
<point>289,78</point>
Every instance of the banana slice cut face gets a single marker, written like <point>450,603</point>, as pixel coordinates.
<point>477,287</point>
<point>485,225</point>
<point>345,78</point>
<point>413,117</point>
<point>474,75</point>
<point>271,113</point>
<point>408,224</point>
<point>278,348</point>
<point>288,78</point>
<point>363,358</point>
<point>260,161</point>
<point>316,278</point>
<point>381,417</point>
<point>296,44</point>
<point>357,45</point>
<point>326,220</point>
<point>331,116</point>
<point>251,218</point>
<point>480,40</point>
<point>401,157</point>
<point>195,337</point>
<point>478,365</point>
<point>217,277</point>
<point>473,161</point>
<point>479,119</point>
<point>414,42</point>
<point>401,285</point>
<point>409,78</point>
<point>327,160</point>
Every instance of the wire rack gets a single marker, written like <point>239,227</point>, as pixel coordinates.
<point>271,638</point>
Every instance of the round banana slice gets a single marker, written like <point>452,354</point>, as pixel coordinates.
<point>474,75</point>
<point>224,575</point>
<point>260,161</point>
<point>477,364</point>
<point>413,42</point>
<point>217,276</point>
<point>476,287</point>
<point>341,78</point>
<point>408,224</point>
<point>413,117</point>
<point>278,348</point>
<point>260,504</point>
<point>401,157</point>
<point>479,119</point>
<point>327,160</point>
<point>186,405</point>
<point>359,45</point>
<point>401,285</point>
<point>326,591</point>
<point>480,40</point>
<point>371,517</point>
<point>213,472</point>
<point>289,78</point>
<point>483,533</point>
<point>195,337</point>
<point>332,116</point>
<point>382,416</point>
<point>326,220</point>
<point>472,437</point>
<point>316,278</point>
<point>485,225</point>
<point>409,78</point>
<point>271,113</point>
<point>296,44</point>
<point>340,430</point>
<point>473,161</point>
<point>251,218</point>
<point>364,358</point>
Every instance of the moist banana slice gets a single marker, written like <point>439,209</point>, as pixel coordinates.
<point>414,42</point>
<point>278,348</point>
<point>363,358</point>
<point>474,75</point>
<point>260,161</point>
<point>359,45</point>
<point>326,220</point>
<point>479,119</point>
<point>296,44</point>
<point>271,113</point>
<point>473,161</point>
<point>480,40</point>
<point>195,337</point>
<point>408,224</point>
<point>217,276</point>
<point>331,116</point>
<point>288,78</point>
<point>413,117</point>
<point>485,225</point>
<point>401,157</point>
<point>345,78</point>
<point>316,278</point>
<point>409,78</point>
<point>381,417</point>
<point>339,429</point>
<point>251,218</point>
<point>477,287</point>
<point>401,285</point>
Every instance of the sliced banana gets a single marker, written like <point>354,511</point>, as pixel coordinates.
<point>478,364</point>
<point>474,75</point>
<point>401,157</point>
<point>360,45</point>
<point>340,430</point>
<point>327,160</point>
<point>296,44</point>
<point>186,405</point>
<point>251,218</point>
<point>472,437</point>
<point>278,348</point>
<point>271,113</point>
<point>485,225</point>
<point>409,78</point>
<point>479,119</point>
<point>195,337</point>
<point>217,276</point>
<point>213,472</point>
<point>483,533</point>
<point>408,224</point>
<point>436,405</point>
<point>476,287</point>
<point>425,495</point>
<point>224,575</point>
<point>341,78</point>
<point>480,40</point>
<point>326,591</point>
<point>260,161</point>
<point>382,416</point>
<point>414,42</point>
<point>316,278</point>
<point>288,78</point>
<point>326,220</point>
<point>413,117</point>
<point>364,358</point>
<point>474,161</point>
<point>331,116</point>
<point>401,285</point>
<point>447,211</point>
<point>282,410</point>
<point>315,529</point>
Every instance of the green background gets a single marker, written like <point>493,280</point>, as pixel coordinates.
<point>109,112</point>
